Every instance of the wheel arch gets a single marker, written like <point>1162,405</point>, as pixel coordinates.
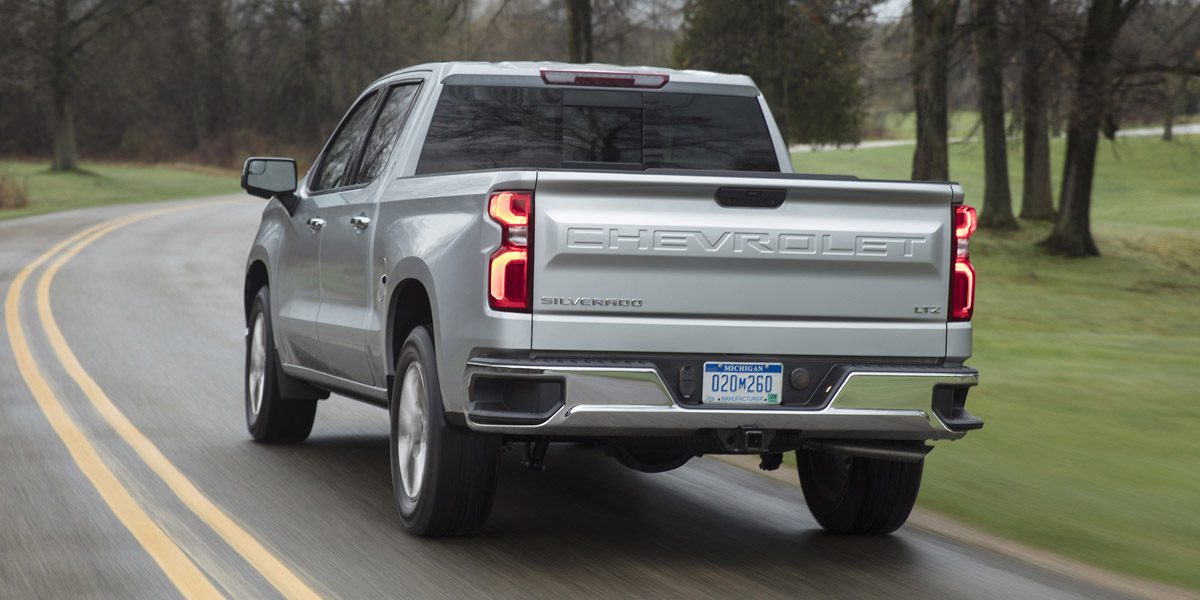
<point>257,278</point>
<point>410,306</point>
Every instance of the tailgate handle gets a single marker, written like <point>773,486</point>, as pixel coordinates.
<point>751,197</point>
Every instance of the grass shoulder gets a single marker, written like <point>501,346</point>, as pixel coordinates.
<point>1089,369</point>
<point>100,184</point>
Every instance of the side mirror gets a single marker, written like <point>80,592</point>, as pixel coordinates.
<point>269,177</point>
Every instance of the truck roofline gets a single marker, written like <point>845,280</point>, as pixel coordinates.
<point>680,80</point>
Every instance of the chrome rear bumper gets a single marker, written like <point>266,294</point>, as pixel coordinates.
<point>630,400</point>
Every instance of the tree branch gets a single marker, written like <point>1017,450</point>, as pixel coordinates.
<point>105,23</point>
<point>1165,69</point>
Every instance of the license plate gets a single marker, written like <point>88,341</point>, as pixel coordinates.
<point>742,383</point>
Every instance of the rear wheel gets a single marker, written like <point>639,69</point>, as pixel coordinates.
<point>271,418</point>
<point>858,496</point>
<point>443,476</point>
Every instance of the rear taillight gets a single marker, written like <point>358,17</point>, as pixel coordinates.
<point>508,268</point>
<point>962,281</point>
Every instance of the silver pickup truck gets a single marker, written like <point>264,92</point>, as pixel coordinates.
<point>527,253</point>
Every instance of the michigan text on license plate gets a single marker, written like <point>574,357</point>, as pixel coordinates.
<point>742,383</point>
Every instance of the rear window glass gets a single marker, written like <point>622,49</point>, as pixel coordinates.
<point>486,127</point>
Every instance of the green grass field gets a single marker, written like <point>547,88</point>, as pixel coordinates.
<point>962,123</point>
<point>112,184</point>
<point>1090,380</point>
<point>903,126</point>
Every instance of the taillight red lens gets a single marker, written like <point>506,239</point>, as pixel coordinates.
<point>962,292</point>
<point>507,279</point>
<point>965,221</point>
<point>508,268</point>
<point>962,279</point>
<point>510,208</point>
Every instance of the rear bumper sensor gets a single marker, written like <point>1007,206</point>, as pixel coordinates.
<point>630,398</point>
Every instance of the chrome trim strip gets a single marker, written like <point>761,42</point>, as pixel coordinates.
<point>878,404</point>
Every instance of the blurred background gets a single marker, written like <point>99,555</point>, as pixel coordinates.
<point>1073,124</point>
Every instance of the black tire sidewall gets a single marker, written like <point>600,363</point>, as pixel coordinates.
<point>836,513</point>
<point>416,513</point>
<point>280,420</point>
<point>460,470</point>
<point>875,498</point>
<point>256,424</point>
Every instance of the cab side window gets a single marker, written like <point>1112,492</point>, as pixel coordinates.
<point>336,165</point>
<point>387,129</point>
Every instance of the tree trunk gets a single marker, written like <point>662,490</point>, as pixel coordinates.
<point>62,91</point>
<point>62,125</point>
<point>310,101</point>
<point>774,46</point>
<point>1037,201</point>
<point>1072,233</point>
<point>579,30</point>
<point>1056,119</point>
<point>933,28</point>
<point>997,197</point>
<point>1170,101</point>
<point>214,97</point>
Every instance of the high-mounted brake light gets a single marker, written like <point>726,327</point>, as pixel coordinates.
<point>626,79</point>
<point>508,268</point>
<point>962,279</point>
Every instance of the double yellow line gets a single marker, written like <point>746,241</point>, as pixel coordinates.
<point>173,561</point>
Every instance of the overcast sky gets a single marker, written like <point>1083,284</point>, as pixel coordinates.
<point>891,9</point>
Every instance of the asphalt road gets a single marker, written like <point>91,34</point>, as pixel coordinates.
<point>152,313</point>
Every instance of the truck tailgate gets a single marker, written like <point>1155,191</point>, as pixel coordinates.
<point>651,262</point>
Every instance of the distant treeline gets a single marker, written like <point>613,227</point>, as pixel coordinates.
<point>214,80</point>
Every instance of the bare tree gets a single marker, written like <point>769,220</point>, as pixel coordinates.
<point>64,30</point>
<point>997,198</point>
<point>1155,56</point>
<point>1090,106</point>
<point>932,38</point>
<point>579,30</point>
<point>216,100</point>
<point>1037,200</point>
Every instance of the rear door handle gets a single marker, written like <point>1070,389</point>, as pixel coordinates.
<point>360,222</point>
<point>316,224</point>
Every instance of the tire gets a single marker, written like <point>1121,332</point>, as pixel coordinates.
<point>271,418</point>
<point>443,475</point>
<point>858,496</point>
